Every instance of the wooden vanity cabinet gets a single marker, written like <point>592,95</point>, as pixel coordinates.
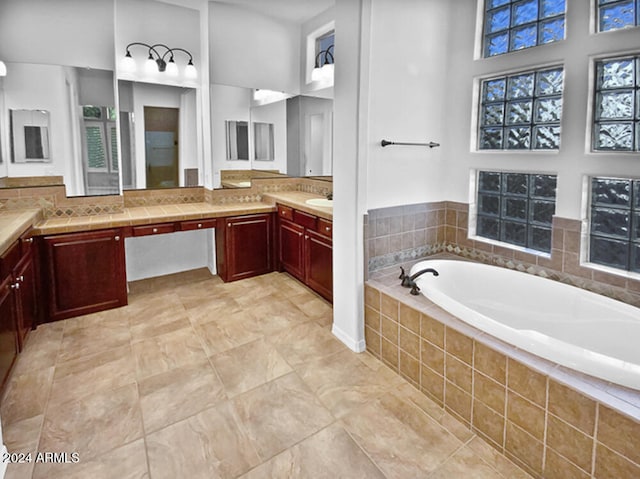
<point>84,273</point>
<point>244,246</point>
<point>8,333</point>
<point>305,249</point>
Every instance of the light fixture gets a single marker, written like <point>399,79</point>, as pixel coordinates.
<point>159,62</point>
<point>324,66</point>
<point>3,69</point>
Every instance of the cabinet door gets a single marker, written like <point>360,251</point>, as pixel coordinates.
<point>8,340</point>
<point>27,297</point>
<point>86,273</point>
<point>248,246</point>
<point>319,264</point>
<point>291,247</point>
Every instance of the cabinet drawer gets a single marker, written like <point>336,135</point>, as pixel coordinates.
<point>198,224</point>
<point>304,219</point>
<point>325,227</point>
<point>154,229</point>
<point>285,212</point>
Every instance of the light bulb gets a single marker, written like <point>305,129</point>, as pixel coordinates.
<point>316,74</point>
<point>190,71</point>
<point>150,66</point>
<point>3,69</point>
<point>327,71</point>
<point>172,68</point>
<point>128,64</point>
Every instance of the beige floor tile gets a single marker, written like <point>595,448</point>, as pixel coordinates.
<point>228,332</point>
<point>93,425</point>
<point>276,315</point>
<point>399,438</point>
<point>464,463</point>
<point>211,308</point>
<point>179,393</point>
<point>166,352</point>
<point>313,306</point>
<point>126,462</point>
<point>343,383</point>
<point>207,445</point>
<point>279,414</point>
<point>22,437</point>
<point>496,460</point>
<point>305,342</point>
<point>91,334</point>
<point>248,366</point>
<point>328,454</point>
<point>26,396</point>
<point>103,371</point>
<point>41,349</point>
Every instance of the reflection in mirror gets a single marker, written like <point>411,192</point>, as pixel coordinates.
<point>263,141</point>
<point>158,139</point>
<point>79,138</point>
<point>237,140</point>
<point>29,136</point>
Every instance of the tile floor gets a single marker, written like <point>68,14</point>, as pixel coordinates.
<point>200,379</point>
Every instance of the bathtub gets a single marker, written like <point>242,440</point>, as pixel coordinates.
<point>572,327</point>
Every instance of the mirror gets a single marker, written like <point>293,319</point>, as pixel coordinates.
<point>60,122</point>
<point>291,136</point>
<point>237,140</point>
<point>29,136</point>
<point>158,136</point>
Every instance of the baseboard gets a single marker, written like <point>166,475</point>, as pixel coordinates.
<point>355,345</point>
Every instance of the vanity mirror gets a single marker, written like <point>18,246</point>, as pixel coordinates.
<point>291,136</point>
<point>59,121</point>
<point>237,140</point>
<point>158,136</point>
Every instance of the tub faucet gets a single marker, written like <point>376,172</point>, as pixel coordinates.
<point>410,281</point>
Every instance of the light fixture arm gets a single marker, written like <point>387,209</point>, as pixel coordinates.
<point>159,58</point>
<point>326,53</point>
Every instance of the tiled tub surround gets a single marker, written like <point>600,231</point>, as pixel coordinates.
<point>528,409</point>
<point>397,235</point>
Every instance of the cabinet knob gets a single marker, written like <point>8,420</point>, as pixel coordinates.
<point>306,237</point>
<point>117,238</point>
<point>199,225</point>
<point>15,286</point>
<point>21,278</point>
<point>328,228</point>
<point>28,240</point>
<point>154,230</point>
<point>299,234</point>
<point>228,225</point>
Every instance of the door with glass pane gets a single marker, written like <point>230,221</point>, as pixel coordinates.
<point>161,147</point>
<point>100,150</point>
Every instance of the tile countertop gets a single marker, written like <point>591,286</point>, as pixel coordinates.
<point>297,200</point>
<point>14,223</point>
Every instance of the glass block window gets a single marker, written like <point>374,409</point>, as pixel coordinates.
<point>617,105</point>
<point>522,111</point>
<point>511,25</point>
<point>516,208</point>
<point>615,223</point>
<point>617,14</point>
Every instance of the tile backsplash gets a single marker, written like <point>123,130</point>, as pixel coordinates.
<point>398,235</point>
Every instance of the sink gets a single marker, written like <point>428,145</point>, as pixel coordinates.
<point>320,202</point>
<point>243,184</point>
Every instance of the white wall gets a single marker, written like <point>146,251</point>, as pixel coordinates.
<point>309,31</point>
<point>227,103</point>
<point>153,22</point>
<point>150,256</point>
<point>251,50</point>
<point>64,32</point>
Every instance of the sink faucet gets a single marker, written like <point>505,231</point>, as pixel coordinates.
<point>330,195</point>
<point>410,281</point>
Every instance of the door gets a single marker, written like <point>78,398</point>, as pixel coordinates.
<point>248,246</point>
<point>8,342</point>
<point>316,136</point>
<point>27,303</point>
<point>319,264</point>
<point>161,146</point>
<point>292,248</point>
<point>85,273</point>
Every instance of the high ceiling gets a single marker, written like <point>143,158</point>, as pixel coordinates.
<point>296,11</point>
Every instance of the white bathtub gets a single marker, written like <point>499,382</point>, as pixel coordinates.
<point>575,328</point>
